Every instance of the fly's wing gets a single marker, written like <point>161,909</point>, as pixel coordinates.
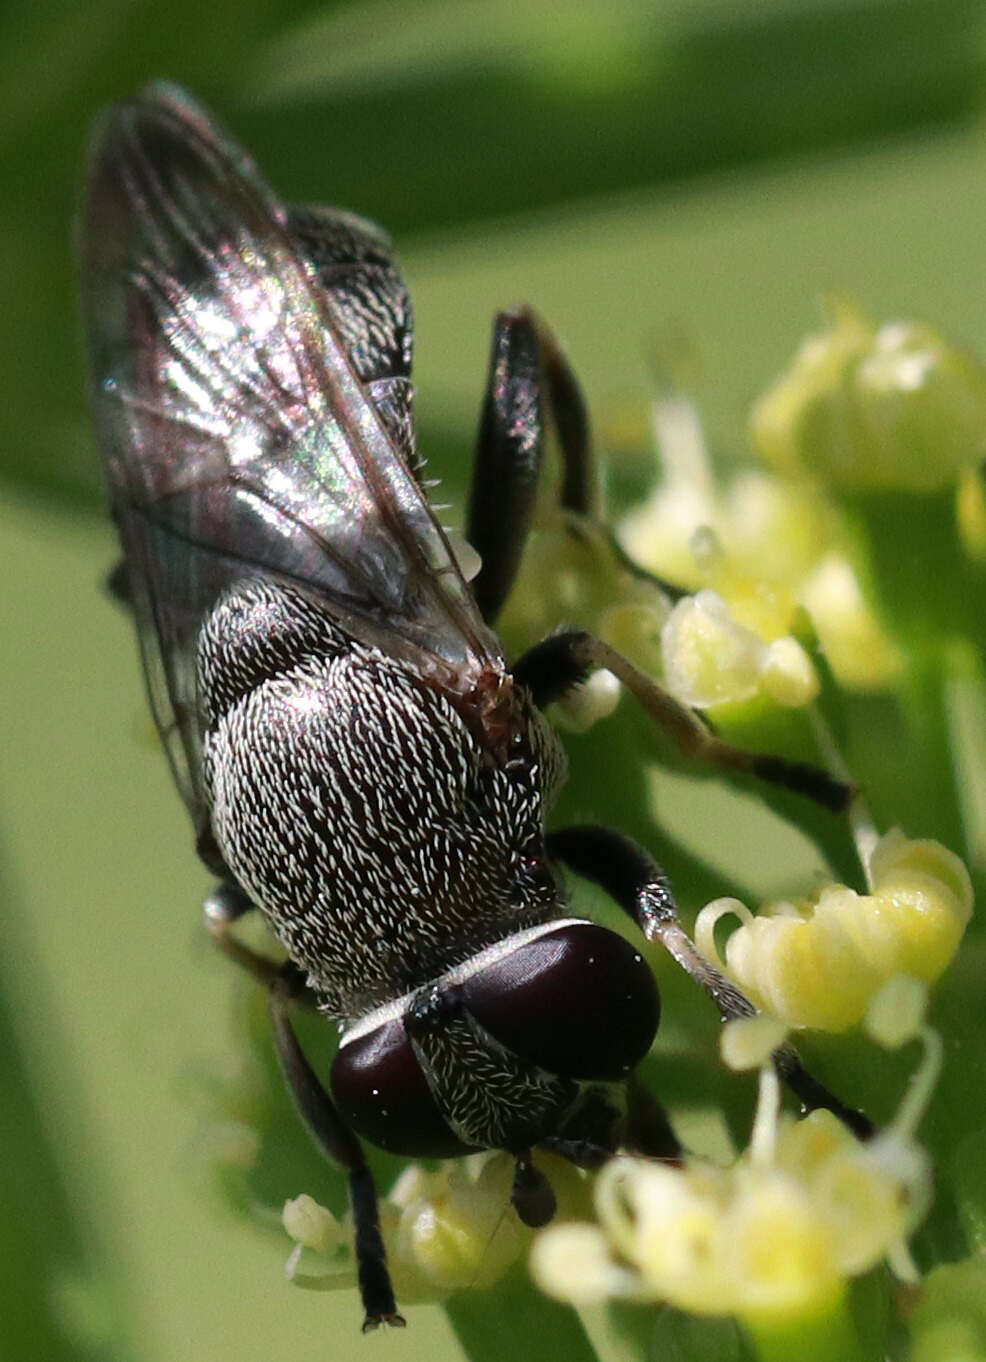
<point>353,263</point>
<point>239,435</point>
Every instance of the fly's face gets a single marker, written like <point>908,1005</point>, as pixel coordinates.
<point>507,1051</point>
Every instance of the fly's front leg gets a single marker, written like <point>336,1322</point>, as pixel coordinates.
<point>635,881</point>
<point>334,1137</point>
<point>557,664</point>
<point>644,1129</point>
<point>287,987</point>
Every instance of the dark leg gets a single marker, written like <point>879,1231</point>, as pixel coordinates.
<point>531,389</point>
<point>508,458</point>
<point>570,417</point>
<point>635,881</point>
<point>592,1136</point>
<point>118,584</point>
<point>583,1153</point>
<point>336,1139</point>
<point>644,1130</point>
<point>648,1130</point>
<point>532,1195</point>
<point>224,906</point>
<point>562,661</point>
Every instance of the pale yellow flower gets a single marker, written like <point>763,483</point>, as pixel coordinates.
<point>819,961</point>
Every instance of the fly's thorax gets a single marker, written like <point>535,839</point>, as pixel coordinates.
<point>359,804</point>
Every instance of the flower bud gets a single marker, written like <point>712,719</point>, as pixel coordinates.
<point>311,1225</point>
<point>710,659</point>
<point>866,408</point>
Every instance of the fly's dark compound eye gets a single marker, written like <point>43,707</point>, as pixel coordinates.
<point>579,1002</point>
<point>380,1090</point>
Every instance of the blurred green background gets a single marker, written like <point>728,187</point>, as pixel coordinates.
<point>621,165</point>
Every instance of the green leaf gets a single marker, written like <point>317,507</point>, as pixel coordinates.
<point>62,1298</point>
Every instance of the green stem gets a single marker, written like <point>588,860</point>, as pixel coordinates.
<point>513,1320</point>
<point>829,1336</point>
<point>965,707</point>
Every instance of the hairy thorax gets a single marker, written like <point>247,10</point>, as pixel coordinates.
<point>362,808</point>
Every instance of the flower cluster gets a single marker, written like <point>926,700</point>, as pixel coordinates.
<point>444,1230</point>
<point>765,555</point>
<point>777,1234</point>
<point>868,407</point>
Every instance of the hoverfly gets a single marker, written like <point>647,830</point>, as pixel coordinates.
<point>360,760</point>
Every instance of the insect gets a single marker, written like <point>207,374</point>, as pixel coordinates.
<point>360,760</point>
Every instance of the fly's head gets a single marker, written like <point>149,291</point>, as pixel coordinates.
<point>528,1043</point>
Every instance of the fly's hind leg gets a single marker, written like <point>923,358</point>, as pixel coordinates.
<point>509,455</point>
<point>531,392</point>
<point>287,988</point>
<point>117,584</point>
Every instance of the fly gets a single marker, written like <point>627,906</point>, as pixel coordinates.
<point>360,760</point>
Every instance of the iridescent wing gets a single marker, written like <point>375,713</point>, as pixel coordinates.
<point>250,372</point>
